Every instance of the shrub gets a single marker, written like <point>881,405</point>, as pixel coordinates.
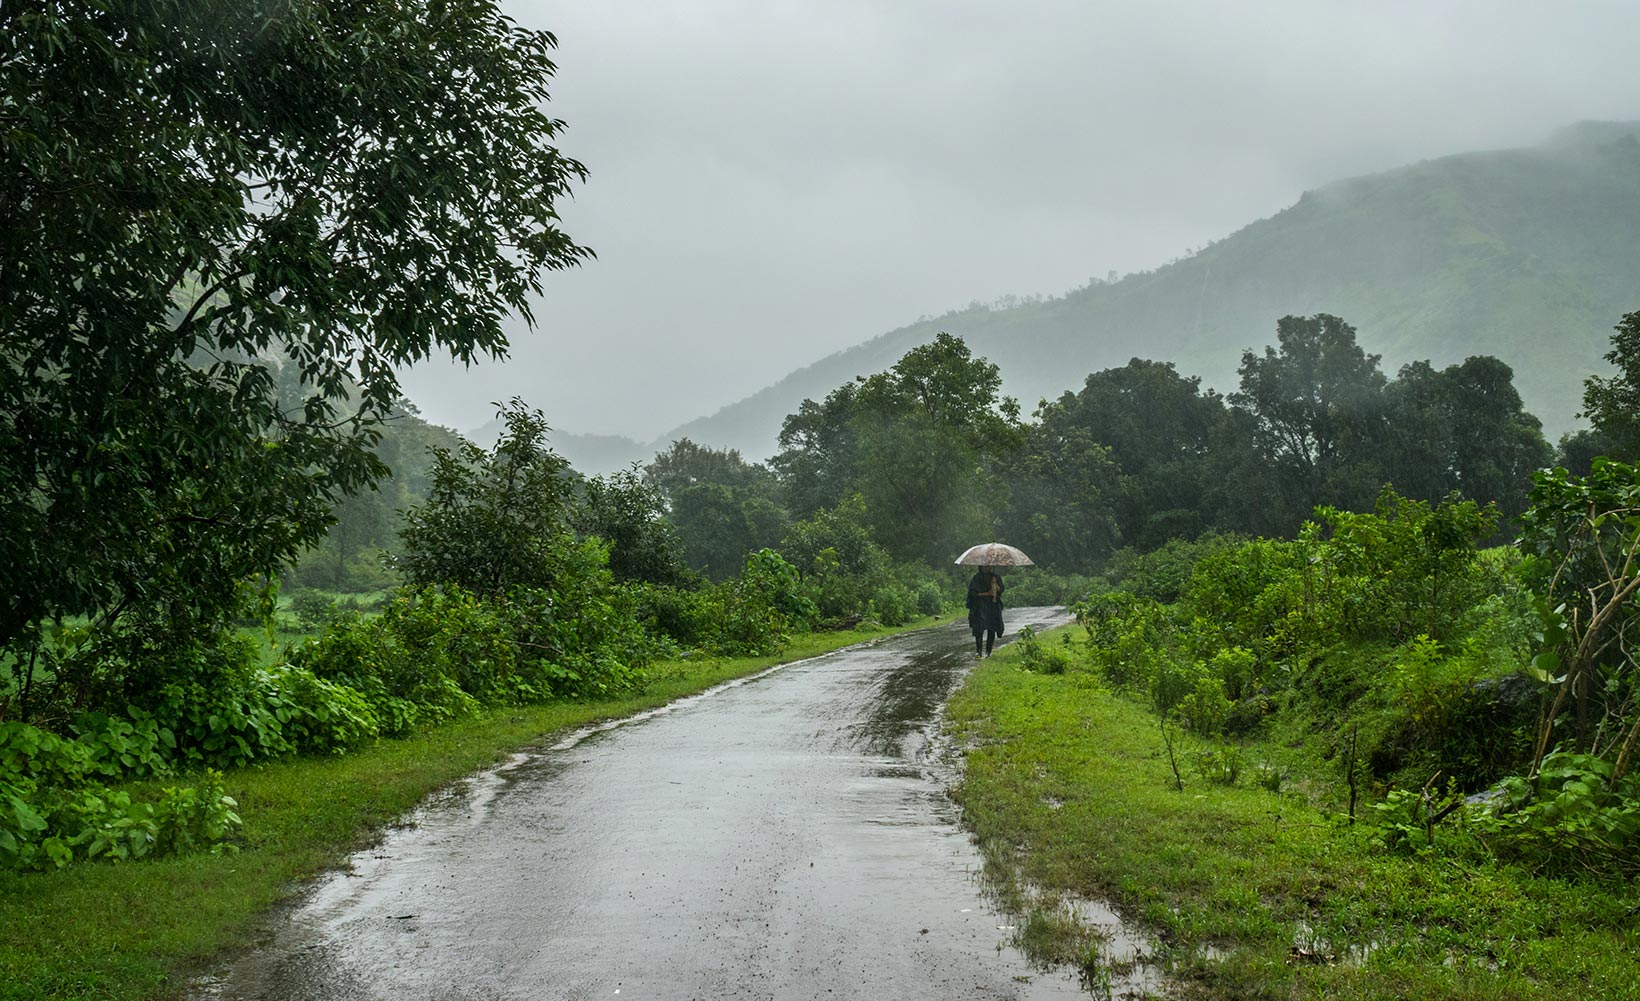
<point>311,608</point>
<point>891,605</point>
<point>321,715</point>
<point>1221,765</point>
<point>1203,707</point>
<point>1039,587</point>
<point>1043,658</point>
<point>45,825</point>
<point>1574,816</point>
<point>929,600</point>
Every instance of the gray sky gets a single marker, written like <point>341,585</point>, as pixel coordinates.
<point>775,181</point>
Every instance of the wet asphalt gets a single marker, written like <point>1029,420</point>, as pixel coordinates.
<point>786,836</point>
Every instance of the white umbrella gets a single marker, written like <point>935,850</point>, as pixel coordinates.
<point>994,554</point>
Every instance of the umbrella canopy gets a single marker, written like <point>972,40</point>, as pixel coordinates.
<point>994,554</point>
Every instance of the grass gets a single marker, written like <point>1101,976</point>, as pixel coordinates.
<point>1069,792</point>
<point>136,931</point>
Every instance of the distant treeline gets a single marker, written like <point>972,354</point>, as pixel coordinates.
<point>929,456</point>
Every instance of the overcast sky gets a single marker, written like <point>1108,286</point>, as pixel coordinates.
<point>775,181</point>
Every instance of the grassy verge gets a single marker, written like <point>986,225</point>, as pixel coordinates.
<point>1249,892</point>
<point>133,931</point>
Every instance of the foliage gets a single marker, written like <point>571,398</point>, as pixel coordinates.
<point>357,552</point>
<point>312,608</point>
<point>1388,625</point>
<point>1068,792</point>
<point>913,443</point>
<point>201,199</point>
<point>1317,403</point>
<point>1043,657</point>
<point>1044,587</point>
<point>762,607</point>
<point>1162,573</point>
<point>1142,459</point>
<point>839,562</point>
<point>55,807</point>
<point>723,506</point>
<point>627,512</point>
<point>1462,429</point>
<point>1140,455</point>
<point>437,653</point>
<point>492,520</point>
<point>1612,403</point>
<point>1575,814</point>
<point>1588,529</point>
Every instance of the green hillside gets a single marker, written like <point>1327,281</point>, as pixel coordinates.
<point>1527,254</point>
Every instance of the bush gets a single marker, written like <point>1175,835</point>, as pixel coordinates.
<point>929,600</point>
<point>840,565</point>
<point>1573,817</point>
<point>1043,658</point>
<point>311,608</point>
<point>320,715</point>
<point>892,605</point>
<point>52,813</point>
<point>1039,587</point>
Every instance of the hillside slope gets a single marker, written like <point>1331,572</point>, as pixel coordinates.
<point>1528,254</point>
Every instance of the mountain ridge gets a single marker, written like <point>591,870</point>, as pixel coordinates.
<point>1527,253</point>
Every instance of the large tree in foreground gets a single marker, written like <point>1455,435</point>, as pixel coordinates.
<point>195,191</point>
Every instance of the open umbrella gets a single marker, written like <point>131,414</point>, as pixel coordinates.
<point>994,554</point>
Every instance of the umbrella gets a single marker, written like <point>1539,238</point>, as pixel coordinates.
<point>994,554</point>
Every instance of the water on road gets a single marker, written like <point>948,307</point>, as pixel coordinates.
<point>783,837</point>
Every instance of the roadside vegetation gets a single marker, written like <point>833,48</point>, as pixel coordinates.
<point>1373,760</point>
<point>1250,882</point>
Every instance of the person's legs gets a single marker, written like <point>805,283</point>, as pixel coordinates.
<point>990,637</point>
<point>978,645</point>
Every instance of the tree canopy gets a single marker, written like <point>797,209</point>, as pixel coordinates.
<point>200,197</point>
<point>1612,403</point>
<point>915,442</point>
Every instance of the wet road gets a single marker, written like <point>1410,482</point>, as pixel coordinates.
<point>783,837</point>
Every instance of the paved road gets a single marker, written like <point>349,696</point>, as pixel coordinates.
<point>785,837</point>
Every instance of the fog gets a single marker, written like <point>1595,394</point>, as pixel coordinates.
<point>775,181</point>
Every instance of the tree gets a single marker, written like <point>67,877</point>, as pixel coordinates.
<point>915,442</point>
<point>723,506</point>
<point>818,452</point>
<point>1319,409</point>
<point>1171,457</point>
<point>1064,493</point>
<point>911,442</point>
<point>628,513</point>
<point>494,520</point>
<point>1464,429</point>
<point>1612,404</point>
<point>1587,529</point>
<point>193,190</point>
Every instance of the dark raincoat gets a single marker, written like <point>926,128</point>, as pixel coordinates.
<point>984,612</point>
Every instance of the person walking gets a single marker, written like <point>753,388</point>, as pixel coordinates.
<point>985,609</point>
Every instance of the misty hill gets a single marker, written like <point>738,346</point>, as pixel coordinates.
<point>1530,254</point>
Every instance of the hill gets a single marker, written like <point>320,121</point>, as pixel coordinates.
<point>1528,254</point>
